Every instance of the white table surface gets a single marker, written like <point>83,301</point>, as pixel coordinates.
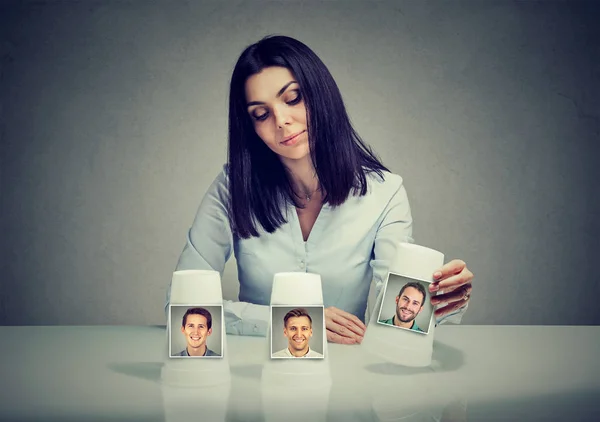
<point>112,373</point>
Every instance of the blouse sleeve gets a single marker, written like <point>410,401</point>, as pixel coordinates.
<point>395,227</point>
<point>208,247</point>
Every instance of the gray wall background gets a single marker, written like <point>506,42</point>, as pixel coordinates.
<point>114,123</point>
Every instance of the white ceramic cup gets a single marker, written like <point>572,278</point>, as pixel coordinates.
<point>302,289</point>
<point>188,404</point>
<point>196,288</point>
<point>280,376</point>
<point>399,346</point>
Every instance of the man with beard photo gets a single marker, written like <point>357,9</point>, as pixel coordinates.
<point>409,303</point>
<point>297,327</point>
<point>196,326</point>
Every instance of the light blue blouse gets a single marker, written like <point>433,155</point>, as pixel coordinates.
<point>349,246</point>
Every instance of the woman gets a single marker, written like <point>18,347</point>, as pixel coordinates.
<point>302,192</point>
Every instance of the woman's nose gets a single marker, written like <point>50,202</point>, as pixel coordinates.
<point>282,116</point>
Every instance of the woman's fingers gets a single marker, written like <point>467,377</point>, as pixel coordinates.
<point>453,301</point>
<point>343,324</point>
<point>348,325</point>
<point>453,267</point>
<point>460,293</point>
<point>450,308</point>
<point>336,338</point>
<point>452,275</point>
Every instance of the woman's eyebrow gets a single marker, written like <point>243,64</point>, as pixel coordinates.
<point>281,91</point>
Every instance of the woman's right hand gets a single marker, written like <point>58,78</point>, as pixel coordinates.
<point>343,327</point>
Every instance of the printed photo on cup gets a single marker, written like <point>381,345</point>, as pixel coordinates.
<point>297,332</point>
<point>406,304</point>
<point>196,331</point>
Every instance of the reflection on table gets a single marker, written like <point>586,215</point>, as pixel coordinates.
<point>114,373</point>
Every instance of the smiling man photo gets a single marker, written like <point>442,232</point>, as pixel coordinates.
<point>297,327</point>
<point>196,326</point>
<point>409,303</point>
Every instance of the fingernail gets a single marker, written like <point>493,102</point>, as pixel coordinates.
<point>434,288</point>
<point>437,275</point>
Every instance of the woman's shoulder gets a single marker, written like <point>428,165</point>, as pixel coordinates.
<point>220,185</point>
<point>386,183</point>
<point>383,188</point>
<point>224,173</point>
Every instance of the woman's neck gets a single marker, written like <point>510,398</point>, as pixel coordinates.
<point>303,176</point>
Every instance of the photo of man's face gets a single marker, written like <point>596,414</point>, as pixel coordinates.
<point>201,328</point>
<point>196,331</point>
<point>297,324</point>
<point>298,330</point>
<point>408,304</point>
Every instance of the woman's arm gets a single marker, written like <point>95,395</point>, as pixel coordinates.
<point>208,247</point>
<point>395,227</point>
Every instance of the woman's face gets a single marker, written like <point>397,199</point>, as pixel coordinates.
<point>276,107</point>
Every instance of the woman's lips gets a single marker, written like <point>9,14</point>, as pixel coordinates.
<point>291,140</point>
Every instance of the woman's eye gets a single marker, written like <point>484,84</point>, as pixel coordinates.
<point>260,117</point>
<point>296,100</point>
